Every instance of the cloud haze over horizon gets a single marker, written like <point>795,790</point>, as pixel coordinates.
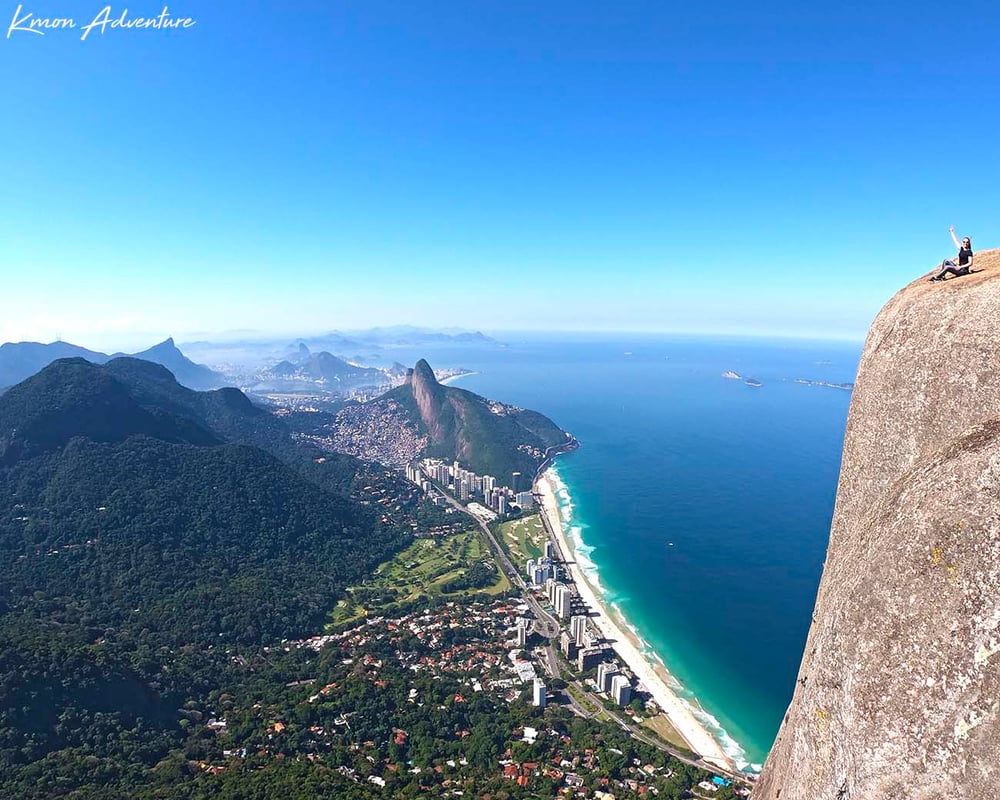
<point>765,169</point>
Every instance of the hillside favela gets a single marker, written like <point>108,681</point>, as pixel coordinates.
<point>536,400</point>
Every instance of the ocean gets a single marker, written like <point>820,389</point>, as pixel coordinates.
<point>700,505</point>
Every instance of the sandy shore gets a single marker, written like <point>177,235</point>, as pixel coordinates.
<point>653,676</point>
<point>452,378</point>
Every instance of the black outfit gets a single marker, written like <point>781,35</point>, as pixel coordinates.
<point>948,267</point>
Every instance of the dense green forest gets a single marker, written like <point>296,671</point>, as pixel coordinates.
<point>142,536</point>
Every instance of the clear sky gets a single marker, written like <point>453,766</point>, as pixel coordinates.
<point>770,167</point>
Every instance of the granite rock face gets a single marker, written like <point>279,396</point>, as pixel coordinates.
<point>429,398</point>
<point>898,694</point>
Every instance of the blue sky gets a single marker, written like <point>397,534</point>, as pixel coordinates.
<point>293,168</point>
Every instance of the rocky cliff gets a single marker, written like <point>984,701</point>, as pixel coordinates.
<point>898,694</point>
<point>426,418</point>
<point>429,397</point>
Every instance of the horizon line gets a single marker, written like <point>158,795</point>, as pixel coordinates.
<point>248,337</point>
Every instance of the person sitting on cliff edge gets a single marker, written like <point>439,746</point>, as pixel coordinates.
<point>964,266</point>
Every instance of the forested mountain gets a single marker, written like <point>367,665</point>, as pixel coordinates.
<point>489,437</point>
<point>73,397</point>
<point>144,537</point>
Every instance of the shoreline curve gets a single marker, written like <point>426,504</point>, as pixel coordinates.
<point>654,677</point>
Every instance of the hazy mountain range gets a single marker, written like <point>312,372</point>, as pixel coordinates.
<point>21,360</point>
<point>372,347</point>
<point>295,369</point>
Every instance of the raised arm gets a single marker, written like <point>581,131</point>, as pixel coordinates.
<point>954,238</point>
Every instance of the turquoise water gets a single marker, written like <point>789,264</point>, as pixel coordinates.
<point>703,504</point>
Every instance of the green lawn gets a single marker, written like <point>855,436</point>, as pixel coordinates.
<point>583,698</point>
<point>421,570</point>
<point>524,538</point>
<point>662,727</point>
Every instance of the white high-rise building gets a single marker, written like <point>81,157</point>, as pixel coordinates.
<point>525,500</point>
<point>578,627</point>
<point>605,672</point>
<point>621,690</point>
<point>563,601</point>
<point>489,484</point>
<point>538,694</point>
<point>522,635</point>
<point>502,504</point>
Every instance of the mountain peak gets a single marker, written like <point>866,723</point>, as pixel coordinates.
<point>423,373</point>
<point>72,397</point>
<point>194,376</point>
<point>166,346</point>
<point>429,396</point>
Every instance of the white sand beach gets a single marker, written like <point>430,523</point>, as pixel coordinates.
<point>453,378</point>
<point>653,676</point>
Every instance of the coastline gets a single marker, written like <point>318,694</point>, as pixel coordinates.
<point>452,378</point>
<point>654,677</point>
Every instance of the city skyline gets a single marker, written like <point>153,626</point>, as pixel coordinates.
<point>777,170</point>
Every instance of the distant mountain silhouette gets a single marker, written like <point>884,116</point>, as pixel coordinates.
<point>284,369</point>
<point>194,376</point>
<point>335,373</point>
<point>396,335</point>
<point>21,360</point>
<point>330,368</point>
<point>410,335</point>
